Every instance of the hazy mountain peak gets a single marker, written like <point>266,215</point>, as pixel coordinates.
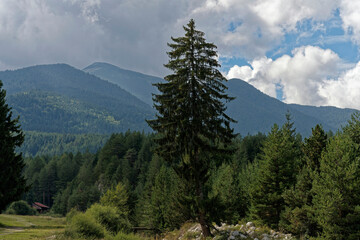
<point>138,84</point>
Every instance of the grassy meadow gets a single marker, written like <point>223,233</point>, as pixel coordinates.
<point>16,227</point>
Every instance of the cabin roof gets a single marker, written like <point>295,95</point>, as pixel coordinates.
<point>40,205</point>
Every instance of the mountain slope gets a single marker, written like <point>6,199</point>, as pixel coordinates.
<point>257,112</point>
<point>253,110</point>
<point>63,114</point>
<point>67,100</point>
<point>334,117</point>
<point>60,98</point>
<point>138,84</point>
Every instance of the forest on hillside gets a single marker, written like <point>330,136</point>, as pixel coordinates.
<point>306,187</point>
<point>51,144</point>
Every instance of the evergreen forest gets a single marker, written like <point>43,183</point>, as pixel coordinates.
<point>309,187</point>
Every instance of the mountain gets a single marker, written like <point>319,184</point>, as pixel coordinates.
<point>254,110</point>
<point>138,84</point>
<point>63,99</point>
<point>257,112</point>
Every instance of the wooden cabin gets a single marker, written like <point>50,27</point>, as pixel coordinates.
<point>40,207</point>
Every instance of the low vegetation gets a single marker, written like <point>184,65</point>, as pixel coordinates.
<point>19,227</point>
<point>20,208</point>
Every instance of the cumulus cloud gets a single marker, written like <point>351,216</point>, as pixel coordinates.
<point>303,77</point>
<point>32,32</point>
<point>250,28</point>
<point>350,14</point>
<point>133,33</point>
<point>89,8</point>
<point>345,91</point>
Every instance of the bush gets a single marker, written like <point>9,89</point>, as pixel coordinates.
<point>73,212</point>
<point>20,208</point>
<point>84,226</point>
<point>109,218</point>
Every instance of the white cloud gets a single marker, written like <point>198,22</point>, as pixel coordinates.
<point>350,14</point>
<point>133,33</point>
<point>301,76</point>
<point>259,24</point>
<point>31,32</point>
<point>344,91</point>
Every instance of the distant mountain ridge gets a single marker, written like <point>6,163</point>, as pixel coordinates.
<point>254,110</point>
<point>60,98</point>
<point>257,112</point>
<point>138,84</point>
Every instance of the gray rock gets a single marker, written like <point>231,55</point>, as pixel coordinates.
<point>235,233</point>
<point>251,233</point>
<point>252,228</point>
<point>265,235</point>
<point>250,224</point>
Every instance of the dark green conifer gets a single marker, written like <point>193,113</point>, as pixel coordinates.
<point>276,172</point>
<point>12,183</point>
<point>298,216</point>
<point>337,189</point>
<point>191,119</point>
<point>167,211</point>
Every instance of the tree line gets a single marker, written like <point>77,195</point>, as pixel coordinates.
<point>309,188</point>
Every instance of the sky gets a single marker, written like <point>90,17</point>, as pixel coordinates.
<point>299,51</point>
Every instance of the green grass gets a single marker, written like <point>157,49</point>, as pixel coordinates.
<point>18,227</point>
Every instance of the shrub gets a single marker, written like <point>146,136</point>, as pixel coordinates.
<point>84,226</point>
<point>109,218</point>
<point>71,214</point>
<point>117,197</point>
<point>20,208</point>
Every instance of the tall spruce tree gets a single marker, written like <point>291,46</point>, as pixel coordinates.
<point>336,189</point>
<point>12,184</point>
<point>276,172</point>
<point>191,119</point>
<point>298,216</point>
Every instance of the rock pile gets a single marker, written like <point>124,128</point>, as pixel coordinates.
<point>235,232</point>
<point>249,231</point>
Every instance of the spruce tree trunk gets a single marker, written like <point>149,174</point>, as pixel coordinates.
<point>202,216</point>
<point>204,226</point>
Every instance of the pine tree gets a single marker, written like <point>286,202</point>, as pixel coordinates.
<point>337,189</point>
<point>166,194</point>
<point>277,167</point>
<point>298,216</point>
<point>191,122</point>
<point>12,183</point>
<point>353,128</point>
